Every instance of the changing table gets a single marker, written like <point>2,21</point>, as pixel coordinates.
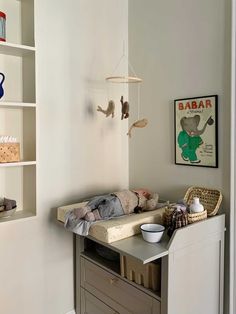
<point>191,276</point>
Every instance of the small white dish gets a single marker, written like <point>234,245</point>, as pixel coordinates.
<point>152,232</point>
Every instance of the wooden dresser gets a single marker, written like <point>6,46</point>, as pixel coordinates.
<point>192,268</point>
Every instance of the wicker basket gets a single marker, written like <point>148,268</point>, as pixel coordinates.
<point>9,152</point>
<point>167,216</point>
<point>194,217</point>
<point>209,198</point>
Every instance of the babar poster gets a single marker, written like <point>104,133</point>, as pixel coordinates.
<point>196,131</point>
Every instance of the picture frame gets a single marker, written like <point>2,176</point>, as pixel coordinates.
<point>196,131</point>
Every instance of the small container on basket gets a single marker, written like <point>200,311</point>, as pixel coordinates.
<point>9,152</point>
<point>196,211</point>
<point>196,206</point>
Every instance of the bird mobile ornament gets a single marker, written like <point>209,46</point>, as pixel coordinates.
<point>124,108</point>
<point>110,109</point>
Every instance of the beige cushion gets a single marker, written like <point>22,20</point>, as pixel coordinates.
<point>61,211</point>
<point>117,228</point>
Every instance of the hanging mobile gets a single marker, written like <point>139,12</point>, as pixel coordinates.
<point>140,123</point>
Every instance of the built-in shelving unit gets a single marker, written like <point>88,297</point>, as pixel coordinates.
<point>18,107</point>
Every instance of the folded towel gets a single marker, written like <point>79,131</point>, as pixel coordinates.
<point>7,139</point>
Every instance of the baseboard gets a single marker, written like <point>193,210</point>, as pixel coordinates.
<point>71,312</point>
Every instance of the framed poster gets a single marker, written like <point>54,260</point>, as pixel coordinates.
<point>196,131</point>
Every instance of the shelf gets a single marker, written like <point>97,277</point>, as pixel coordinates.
<point>16,49</point>
<point>136,247</point>
<point>107,264</point>
<point>17,164</point>
<point>17,105</point>
<point>19,183</point>
<point>21,214</point>
<point>146,252</point>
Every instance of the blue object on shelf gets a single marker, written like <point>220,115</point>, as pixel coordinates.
<point>1,87</point>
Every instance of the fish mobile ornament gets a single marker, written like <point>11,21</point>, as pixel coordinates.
<point>125,114</point>
<point>137,124</point>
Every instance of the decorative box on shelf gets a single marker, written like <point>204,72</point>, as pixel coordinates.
<point>147,275</point>
<point>9,152</point>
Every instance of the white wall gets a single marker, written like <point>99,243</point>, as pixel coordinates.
<point>180,49</point>
<point>80,152</point>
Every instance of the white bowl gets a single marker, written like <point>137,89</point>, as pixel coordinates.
<point>152,232</point>
<point>7,213</point>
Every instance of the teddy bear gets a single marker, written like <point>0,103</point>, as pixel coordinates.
<point>152,202</point>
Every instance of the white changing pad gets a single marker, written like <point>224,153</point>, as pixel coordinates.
<point>115,229</point>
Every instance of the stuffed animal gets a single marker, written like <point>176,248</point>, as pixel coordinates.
<point>152,202</point>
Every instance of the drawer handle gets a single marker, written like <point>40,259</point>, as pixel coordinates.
<point>113,280</point>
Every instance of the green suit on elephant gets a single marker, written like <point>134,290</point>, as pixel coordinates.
<point>189,138</point>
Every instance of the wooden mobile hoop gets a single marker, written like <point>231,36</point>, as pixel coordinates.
<point>120,79</point>
<point>124,78</point>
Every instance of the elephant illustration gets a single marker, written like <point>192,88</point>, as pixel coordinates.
<point>189,138</point>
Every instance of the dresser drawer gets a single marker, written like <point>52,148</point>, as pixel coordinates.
<point>111,288</point>
<point>92,305</point>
